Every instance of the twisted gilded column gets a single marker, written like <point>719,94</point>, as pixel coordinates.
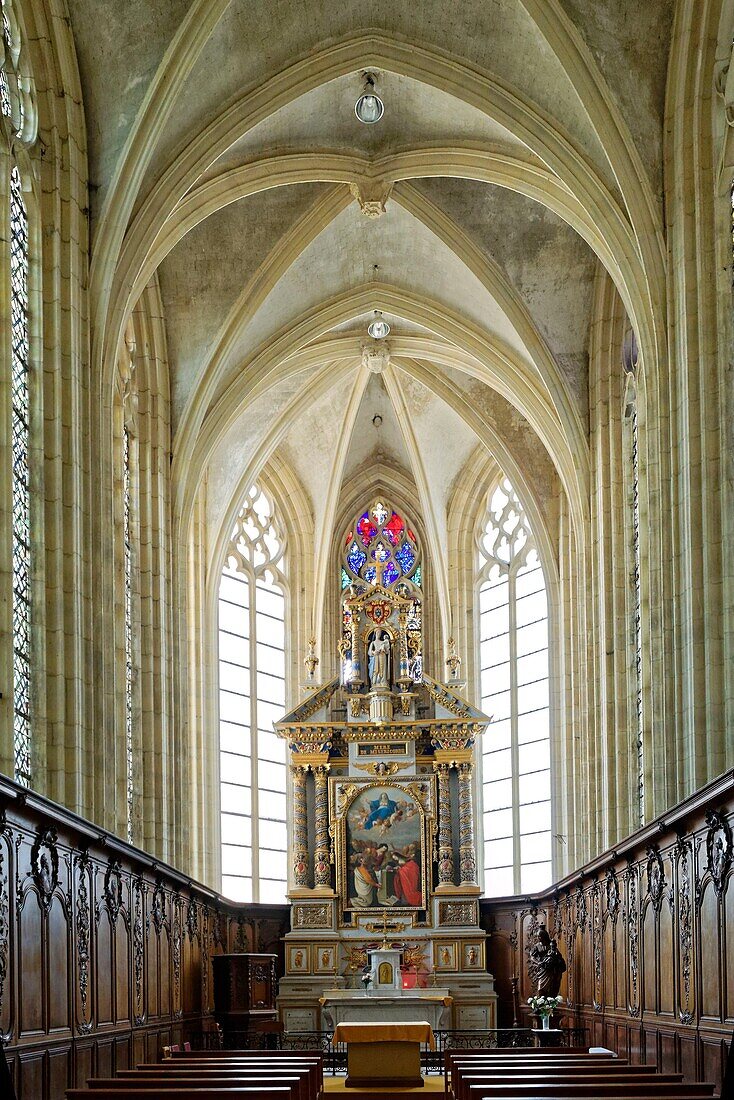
<point>467,853</point>
<point>445,839</point>
<point>322,852</point>
<point>300,827</point>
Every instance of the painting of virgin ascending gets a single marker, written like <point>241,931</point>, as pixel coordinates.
<point>384,850</point>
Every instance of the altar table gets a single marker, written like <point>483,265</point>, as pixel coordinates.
<point>384,1054</point>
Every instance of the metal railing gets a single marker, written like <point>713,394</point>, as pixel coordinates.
<point>335,1054</point>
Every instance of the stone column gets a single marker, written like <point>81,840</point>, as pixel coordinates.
<point>445,838</point>
<point>300,827</point>
<point>467,853</point>
<point>322,852</point>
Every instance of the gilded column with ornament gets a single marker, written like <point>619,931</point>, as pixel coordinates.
<point>322,849</point>
<point>300,827</point>
<point>445,837</point>
<point>467,850</point>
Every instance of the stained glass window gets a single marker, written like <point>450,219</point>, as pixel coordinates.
<point>633,482</point>
<point>5,104</point>
<point>513,652</point>
<point>128,629</point>
<point>383,547</point>
<point>252,694</point>
<point>20,482</point>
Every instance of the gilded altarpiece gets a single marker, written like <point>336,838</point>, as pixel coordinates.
<point>382,838</point>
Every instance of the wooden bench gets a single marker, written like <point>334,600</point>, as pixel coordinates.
<point>309,1074</point>
<point>203,1092</point>
<point>296,1085</point>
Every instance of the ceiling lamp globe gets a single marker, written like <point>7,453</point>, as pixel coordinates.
<point>369,108</point>
<point>379,328</point>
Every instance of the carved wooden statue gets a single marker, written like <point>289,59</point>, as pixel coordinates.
<point>547,965</point>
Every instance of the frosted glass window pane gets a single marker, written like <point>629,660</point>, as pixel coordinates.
<point>273,863</point>
<point>497,678</point>
<point>536,876</point>
<point>535,817</point>
<point>234,708</point>
<point>497,765</point>
<point>234,738</point>
<point>235,800</point>
<point>532,637</point>
<point>268,601</point>
<point>272,893</point>
<point>498,882</point>
<point>536,847</point>
<point>233,648</point>
<point>534,787</point>
<point>267,715</point>
<point>269,631</point>
<point>273,806</point>
<point>273,835</point>
<point>236,829</point>
<point>270,747</point>
<point>497,824</point>
<point>494,622</point>
<point>270,777</point>
<point>270,688</point>
<point>499,704</point>
<point>494,651</point>
<point>493,595</point>
<point>234,589</point>
<point>529,580</point>
<point>234,678</point>
<point>233,619</point>
<point>530,608</point>
<point>533,667</point>
<point>532,696</point>
<point>534,756</point>
<point>270,660</point>
<point>497,735</point>
<point>497,796</point>
<point>533,726</point>
<point>236,861</point>
<point>235,769</point>
<point>498,853</point>
<point>237,889</point>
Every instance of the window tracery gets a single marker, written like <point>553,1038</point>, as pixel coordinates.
<point>513,652</point>
<point>252,693</point>
<point>17,100</point>
<point>21,545</point>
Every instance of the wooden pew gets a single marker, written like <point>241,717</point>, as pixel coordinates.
<point>311,1066</point>
<point>308,1073</point>
<point>238,1092</point>
<point>498,1060</point>
<point>297,1086</point>
<point>182,1057</point>
<point>562,1089</point>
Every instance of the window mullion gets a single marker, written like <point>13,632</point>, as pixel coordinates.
<point>254,794</point>
<point>514,746</point>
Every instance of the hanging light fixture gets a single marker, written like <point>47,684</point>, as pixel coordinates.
<point>369,108</point>
<point>378,329</point>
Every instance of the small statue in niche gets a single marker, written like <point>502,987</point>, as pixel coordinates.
<point>379,660</point>
<point>547,965</point>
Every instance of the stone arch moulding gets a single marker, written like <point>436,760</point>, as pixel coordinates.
<point>499,368</point>
<point>636,240</point>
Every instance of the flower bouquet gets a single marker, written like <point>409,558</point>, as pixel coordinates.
<point>544,1007</point>
<point>366,980</point>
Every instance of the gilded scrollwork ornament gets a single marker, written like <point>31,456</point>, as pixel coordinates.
<point>445,838</point>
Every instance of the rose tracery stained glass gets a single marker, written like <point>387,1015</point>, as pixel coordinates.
<point>21,542</point>
<point>380,544</point>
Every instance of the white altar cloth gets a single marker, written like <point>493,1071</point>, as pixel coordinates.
<point>352,1006</point>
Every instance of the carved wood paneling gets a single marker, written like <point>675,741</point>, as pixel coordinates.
<point>647,932</point>
<point>104,956</point>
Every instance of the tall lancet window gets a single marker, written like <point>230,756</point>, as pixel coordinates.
<point>252,690</point>
<point>20,414</point>
<point>513,652</point>
<point>630,358</point>
<point>127,537</point>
